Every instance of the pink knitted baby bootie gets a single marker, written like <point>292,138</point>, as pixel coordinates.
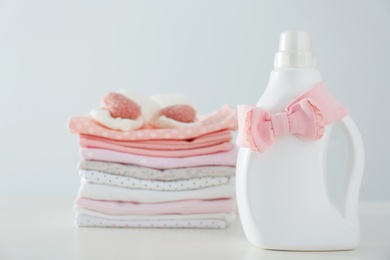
<point>121,106</point>
<point>181,113</point>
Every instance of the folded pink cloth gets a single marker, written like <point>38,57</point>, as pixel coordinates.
<point>198,142</point>
<point>172,207</point>
<point>226,146</point>
<point>227,158</point>
<point>224,118</point>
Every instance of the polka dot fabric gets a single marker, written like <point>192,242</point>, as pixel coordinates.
<point>158,175</point>
<point>90,221</point>
<point>224,118</point>
<point>134,183</point>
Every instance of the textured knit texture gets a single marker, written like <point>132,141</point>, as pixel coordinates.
<point>305,117</point>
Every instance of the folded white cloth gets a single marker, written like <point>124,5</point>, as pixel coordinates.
<point>134,183</point>
<point>107,192</point>
<point>145,173</point>
<point>93,221</point>
<point>181,207</point>
<point>227,217</point>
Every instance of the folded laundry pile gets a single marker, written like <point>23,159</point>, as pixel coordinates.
<point>152,162</point>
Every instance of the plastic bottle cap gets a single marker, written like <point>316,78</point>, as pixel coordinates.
<point>295,50</point>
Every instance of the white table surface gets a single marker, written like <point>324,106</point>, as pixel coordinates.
<point>44,229</point>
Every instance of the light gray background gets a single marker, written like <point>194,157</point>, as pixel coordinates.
<point>58,58</point>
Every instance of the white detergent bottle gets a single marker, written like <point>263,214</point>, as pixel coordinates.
<point>282,192</point>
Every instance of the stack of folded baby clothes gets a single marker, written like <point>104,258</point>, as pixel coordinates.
<point>152,162</point>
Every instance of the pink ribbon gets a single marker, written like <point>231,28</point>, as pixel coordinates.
<point>305,117</point>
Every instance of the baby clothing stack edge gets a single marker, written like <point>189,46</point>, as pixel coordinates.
<point>173,178</point>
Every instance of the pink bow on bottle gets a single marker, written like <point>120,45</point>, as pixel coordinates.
<point>305,117</point>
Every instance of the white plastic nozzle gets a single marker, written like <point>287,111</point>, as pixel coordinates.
<point>295,51</point>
